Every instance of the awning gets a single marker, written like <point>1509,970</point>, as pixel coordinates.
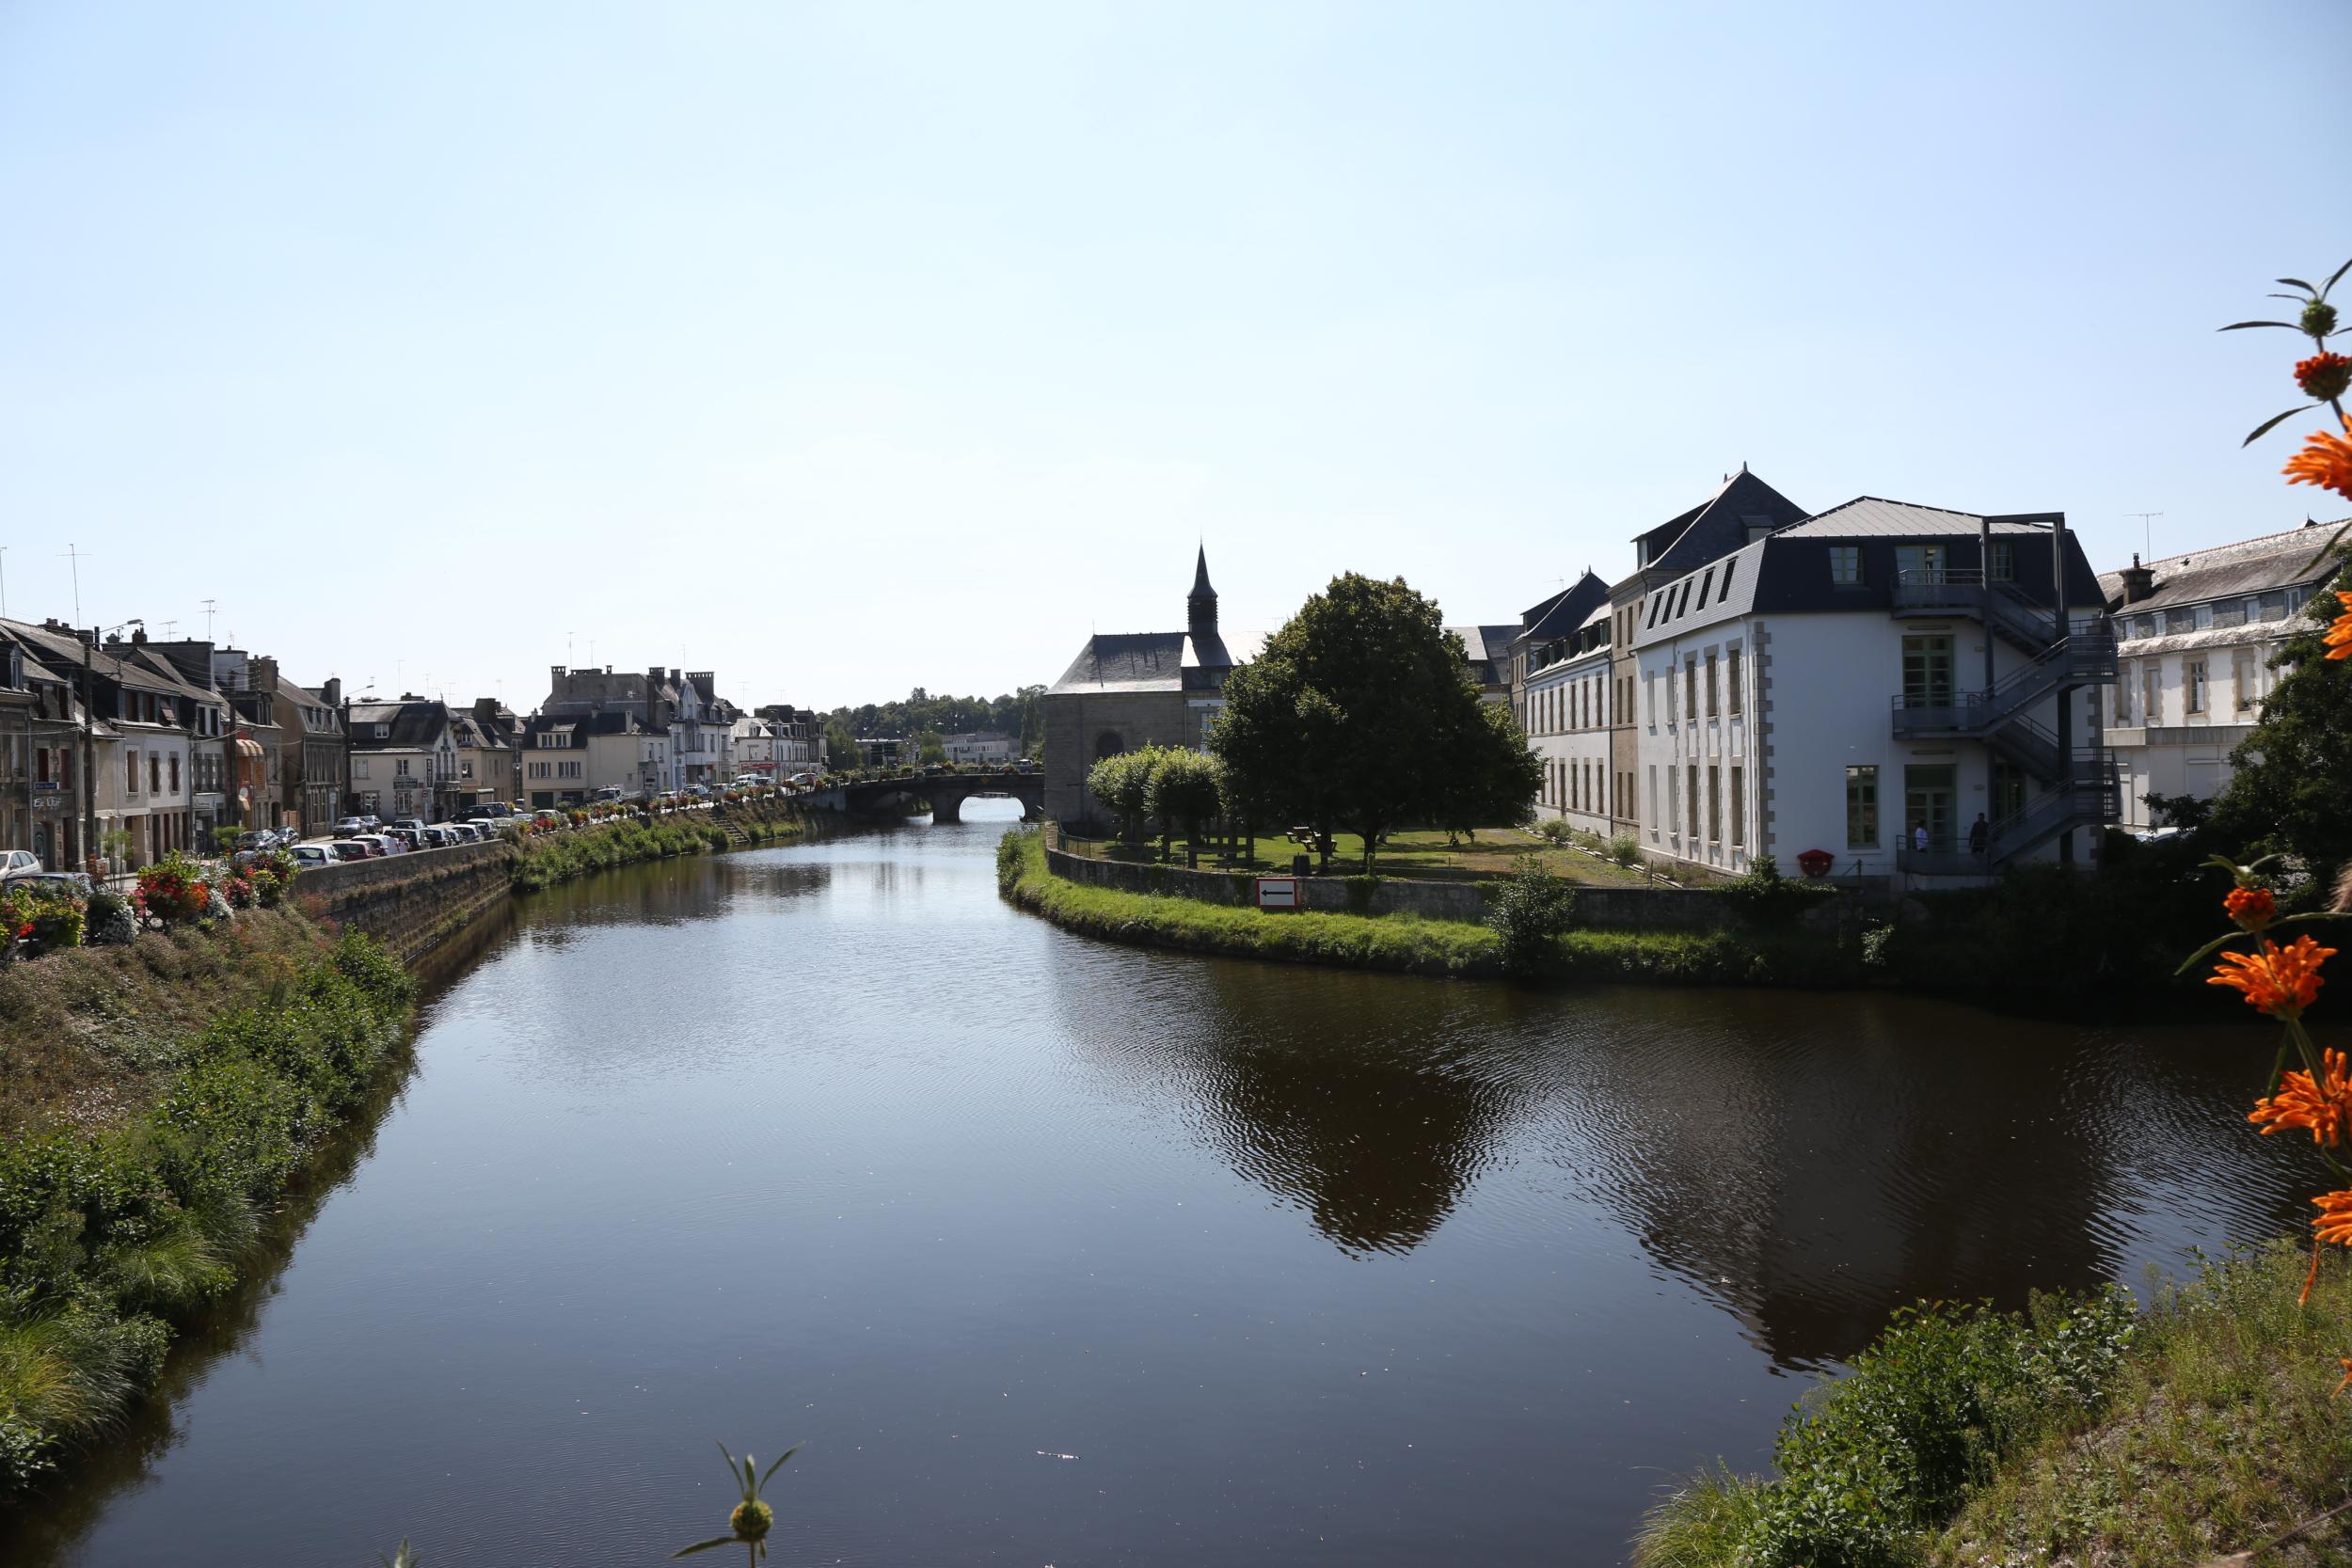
<point>247,747</point>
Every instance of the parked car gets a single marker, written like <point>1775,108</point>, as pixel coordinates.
<point>75,882</point>
<point>348,849</point>
<point>14,862</point>
<point>308,855</point>
<point>350,827</point>
<point>407,838</point>
<point>378,844</point>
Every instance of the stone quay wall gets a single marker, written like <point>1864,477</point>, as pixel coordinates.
<point>411,902</point>
<point>1643,908</point>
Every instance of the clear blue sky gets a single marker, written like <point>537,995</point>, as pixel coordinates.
<point>843,349</point>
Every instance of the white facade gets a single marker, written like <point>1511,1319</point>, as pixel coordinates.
<point>2194,636</point>
<point>980,749</point>
<point>1566,711</point>
<point>1783,706</point>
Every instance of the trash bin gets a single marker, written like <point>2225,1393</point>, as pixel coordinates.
<point>1299,865</point>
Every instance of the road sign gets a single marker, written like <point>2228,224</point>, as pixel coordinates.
<point>1279,893</point>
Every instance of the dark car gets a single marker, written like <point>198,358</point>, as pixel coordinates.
<point>350,827</point>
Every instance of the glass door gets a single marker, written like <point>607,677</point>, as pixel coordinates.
<point>1926,671</point>
<point>1930,802</point>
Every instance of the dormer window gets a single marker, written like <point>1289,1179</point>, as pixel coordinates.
<point>383,732</point>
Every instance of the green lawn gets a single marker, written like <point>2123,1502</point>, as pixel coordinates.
<point>1420,853</point>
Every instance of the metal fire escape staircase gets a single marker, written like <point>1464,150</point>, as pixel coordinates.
<point>2080,789</point>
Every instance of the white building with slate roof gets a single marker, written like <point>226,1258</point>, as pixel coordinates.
<point>2195,634</point>
<point>1868,683</point>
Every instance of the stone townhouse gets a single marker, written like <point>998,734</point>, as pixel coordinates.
<point>2195,635</point>
<point>571,758</point>
<point>137,719</point>
<point>404,759</point>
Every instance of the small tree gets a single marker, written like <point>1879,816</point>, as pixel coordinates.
<point>1530,913</point>
<point>1184,794</point>
<point>929,746</point>
<point>1122,783</point>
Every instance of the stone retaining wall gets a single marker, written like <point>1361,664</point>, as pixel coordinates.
<point>410,902</point>
<point>1647,909</point>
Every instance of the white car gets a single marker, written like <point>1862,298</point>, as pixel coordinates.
<point>309,855</point>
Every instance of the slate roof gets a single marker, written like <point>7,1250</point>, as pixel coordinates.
<point>416,725</point>
<point>1873,517</point>
<point>2258,565</point>
<point>63,650</point>
<point>1717,526</point>
<point>1566,611</point>
<point>1788,572</point>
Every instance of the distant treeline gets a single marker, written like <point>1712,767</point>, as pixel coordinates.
<point>1021,714</point>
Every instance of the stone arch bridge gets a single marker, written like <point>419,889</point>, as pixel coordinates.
<point>944,793</point>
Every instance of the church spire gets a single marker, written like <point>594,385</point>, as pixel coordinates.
<point>1200,589</point>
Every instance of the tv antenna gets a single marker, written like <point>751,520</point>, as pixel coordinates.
<point>2147,535</point>
<point>74,555</point>
<point>208,618</point>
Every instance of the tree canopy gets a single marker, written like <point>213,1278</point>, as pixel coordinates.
<point>1361,715</point>
<point>1021,714</point>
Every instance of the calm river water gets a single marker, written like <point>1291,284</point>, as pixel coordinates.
<point>1059,1253</point>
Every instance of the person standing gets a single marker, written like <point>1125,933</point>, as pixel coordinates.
<point>1979,832</point>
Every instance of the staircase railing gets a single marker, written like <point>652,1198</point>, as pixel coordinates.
<point>2075,661</point>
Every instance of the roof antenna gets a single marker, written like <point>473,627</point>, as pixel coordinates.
<point>2146,534</point>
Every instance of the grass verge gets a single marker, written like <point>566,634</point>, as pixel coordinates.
<point>114,1229</point>
<point>2079,1433</point>
<point>1410,945</point>
<point>559,857</point>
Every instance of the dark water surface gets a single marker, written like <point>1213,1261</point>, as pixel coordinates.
<point>1059,1253</point>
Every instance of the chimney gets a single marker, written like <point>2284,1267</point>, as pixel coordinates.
<point>2138,582</point>
<point>332,693</point>
<point>139,637</point>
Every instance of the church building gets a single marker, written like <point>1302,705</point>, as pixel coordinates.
<point>1128,690</point>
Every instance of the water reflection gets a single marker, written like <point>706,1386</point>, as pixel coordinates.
<point>1809,1179</point>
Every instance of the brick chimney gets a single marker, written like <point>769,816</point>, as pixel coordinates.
<point>2138,582</point>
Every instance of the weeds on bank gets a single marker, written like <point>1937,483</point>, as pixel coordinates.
<point>109,1235</point>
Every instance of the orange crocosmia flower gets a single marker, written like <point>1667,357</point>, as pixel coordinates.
<point>2339,638</point>
<point>2325,1107</point>
<point>2325,461</point>
<point>2282,981</point>
<point>2345,1362</point>
<point>2252,907</point>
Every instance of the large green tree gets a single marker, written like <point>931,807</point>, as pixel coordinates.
<point>1361,715</point>
<point>2292,789</point>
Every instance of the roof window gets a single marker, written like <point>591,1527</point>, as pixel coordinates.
<point>1729,566</point>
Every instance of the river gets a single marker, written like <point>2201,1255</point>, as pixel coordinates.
<point>1059,1253</point>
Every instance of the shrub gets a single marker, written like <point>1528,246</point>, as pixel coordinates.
<point>174,890</point>
<point>110,920</point>
<point>1553,830</point>
<point>1764,896</point>
<point>1892,1448</point>
<point>1626,850</point>
<point>1531,912</point>
<point>43,918</point>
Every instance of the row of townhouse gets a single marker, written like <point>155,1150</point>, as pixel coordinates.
<point>603,730</point>
<point>115,751</point>
<point>1911,691</point>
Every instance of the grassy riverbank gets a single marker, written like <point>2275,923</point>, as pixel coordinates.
<point>1407,944</point>
<point>543,862</point>
<point>158,1099</point>
<point>2203,1425</point>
